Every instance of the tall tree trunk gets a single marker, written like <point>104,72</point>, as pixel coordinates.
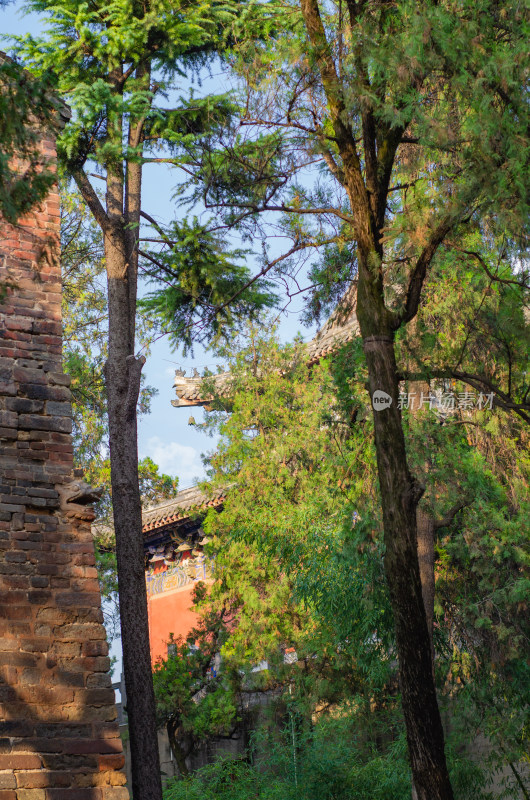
<point>123,383</point>
<point>122,375</point>
<point>122,378</point>
<point>367,187</point>
<point>400,494</point>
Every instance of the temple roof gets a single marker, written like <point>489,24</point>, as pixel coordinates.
<point>341,328</point>
<point>179,508</point>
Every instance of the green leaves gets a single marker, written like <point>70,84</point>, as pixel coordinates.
<point>26,111</point>
<point>205,292</point>
<point>91,54</point>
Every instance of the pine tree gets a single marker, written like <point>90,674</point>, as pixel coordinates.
<point>114,63</point>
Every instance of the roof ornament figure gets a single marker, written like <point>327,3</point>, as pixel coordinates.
<point>181,373</point>
<point>196,373</point>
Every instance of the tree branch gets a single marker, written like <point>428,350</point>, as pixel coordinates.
<point>451,514</point>
<point>358,196</point>
<point>509,282</point>
<point>419,272</point>
<point>91,199</point>
<point>157,227</point>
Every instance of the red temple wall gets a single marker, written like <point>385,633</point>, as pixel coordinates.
<point>170,613</point>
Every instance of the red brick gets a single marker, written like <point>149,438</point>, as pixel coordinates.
<point>20,761</point>
<point>115,793</point>
<point>7,780</point>
<point>43,779</point>
<point>92,746</point>
<point>73,794</point>
<point>95,697</point>
<point>111,762</point>
<point>96,648</point>
<point>54,605</point>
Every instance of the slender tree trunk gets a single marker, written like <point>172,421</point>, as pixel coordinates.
<point>425,532</point>
<point>177,750</point>
<point>400,494</point>
<point>123,384</point>
<point>122,374</point>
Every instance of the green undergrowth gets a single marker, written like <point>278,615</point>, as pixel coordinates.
<point>329,763</point>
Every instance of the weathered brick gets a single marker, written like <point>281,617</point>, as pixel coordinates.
<point>24,406</point>
<point>42,779</point>
<point>92,746</point>
<point>58,761</point>
<point>77,599</point>
<point>20,761</point>
<point>39,581</point>
<point>8,419</point>
<point>58,409</point>
<point>100,680</point>
<point>60,378</point>
<point>115,793</point>
<point>37,391</point>
<point>60,731</point>
<point>76,794</point>
<point>44,423</point>
<point>96,697</point>
<point>96,648</point>
<point>7,694</point>
<point>24,375</point>
<point>7,780</point>
<point>30,677</point>
<point>108,762</point>
<point>30,794</point>
<point>98,664</point>
<point>16,727</point>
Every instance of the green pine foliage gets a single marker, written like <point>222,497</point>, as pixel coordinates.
<point>200,286</point>
<point>197,273</point>
<point>26,110</point>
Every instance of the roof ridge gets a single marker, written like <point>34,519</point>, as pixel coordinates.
<point>177,509</point>
<point>341,327</point>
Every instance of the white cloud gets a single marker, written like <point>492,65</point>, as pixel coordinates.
<point>175,459</point>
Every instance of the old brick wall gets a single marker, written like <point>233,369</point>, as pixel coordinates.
<point>58,735</point>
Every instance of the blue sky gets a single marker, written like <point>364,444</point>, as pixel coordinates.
<point>164,434</point>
